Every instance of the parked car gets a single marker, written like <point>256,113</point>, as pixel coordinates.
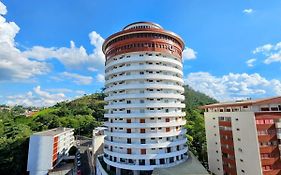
<point>78,163</point>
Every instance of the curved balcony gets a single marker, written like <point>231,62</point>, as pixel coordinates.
<point>144,86</point>
<point>145,125</point>
<point>146,115</point>
<point>137,59</point>
<point>141,167</point>
<point>149,145</point>
<point>145,135</point>
<point>144,68</point>
<point>144,77</point>
<point>145,105</point>
<point>146,156</point>
<point>145,95</point>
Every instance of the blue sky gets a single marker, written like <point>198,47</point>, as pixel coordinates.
<point>50,50</point>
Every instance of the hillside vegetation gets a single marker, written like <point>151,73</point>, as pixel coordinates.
<point>82,114</point>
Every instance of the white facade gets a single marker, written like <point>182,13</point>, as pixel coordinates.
<point>145,118</point>
<point>245,141</point>
<point>47,148</point>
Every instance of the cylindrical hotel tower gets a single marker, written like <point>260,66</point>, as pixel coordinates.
<point>144,88</point>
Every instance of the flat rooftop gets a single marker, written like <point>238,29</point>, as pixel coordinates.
<point>191,166</point>
<point>245,102</point>
<point>53,132</point>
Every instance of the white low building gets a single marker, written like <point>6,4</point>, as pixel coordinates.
<point>47,149</point>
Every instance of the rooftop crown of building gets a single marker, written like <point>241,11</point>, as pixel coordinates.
<point>143,37</point>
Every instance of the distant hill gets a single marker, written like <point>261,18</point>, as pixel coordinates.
<point>194,99</point>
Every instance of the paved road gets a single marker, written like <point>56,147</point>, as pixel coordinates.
<point>85,143</point>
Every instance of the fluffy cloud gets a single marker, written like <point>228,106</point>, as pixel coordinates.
<point>17,65</point>
<point>276,57</point>
<point>272,52</point>
<point>234,86</point>
<point>189,54</point>
<point>248,11</point>
<point>72,57</point>
<point>13,64</point>
<point>76,78</point>
<point>3,9</point>
<point>37,97</point>
<point>250,62</point>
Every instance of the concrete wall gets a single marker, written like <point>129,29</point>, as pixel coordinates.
<point>213,137</point>
<point>246,133</point>
<point>99,168</point>
<point>40,155</point>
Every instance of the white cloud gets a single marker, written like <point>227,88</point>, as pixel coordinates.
<point>76,78</point>
<point>276,57</point>
<point>189,54</point>
<point>62,90</point>
<point>100,78</point>
<point>72,57</point>
<point>248,11</point>
<point>272,52</point>
<point>233,86</point>
<point>3,9</point>
<point>264,49</point>
<point>80,92</point>
<point>37,97</point>
<point>250,62</point>
<point>13,64</point>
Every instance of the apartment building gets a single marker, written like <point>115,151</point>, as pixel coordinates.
<point>243,137</point>
<point>143,81</point>
<point>47,149</point>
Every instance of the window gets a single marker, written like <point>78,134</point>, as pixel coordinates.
<point>142,130</point>
<point>128,111</point>
<point>128,120</point>
<point>168,149</point>
<point>152,162</point>
<point>258,122</point>
<point>268,121</point>
<point>142,141</point>
<point>142,162</point>
<point>142,120</point>
<point>128,130</point>
<point>264,108</point>
<point>266,167</point>
<point>129,141</point>
<point>143,151</point>
<point>129,151</point>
